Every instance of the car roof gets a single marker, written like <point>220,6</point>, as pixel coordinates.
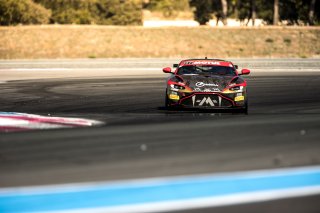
<point>205,61</point>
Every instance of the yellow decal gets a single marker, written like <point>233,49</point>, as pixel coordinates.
<point>174,97</point>
<point>239,98</point>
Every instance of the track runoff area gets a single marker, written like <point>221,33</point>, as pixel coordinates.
<point>162,194</point>
<point>165,194</point>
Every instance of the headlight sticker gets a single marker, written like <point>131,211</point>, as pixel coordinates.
<point>174,97</point>
<point>239,98</point>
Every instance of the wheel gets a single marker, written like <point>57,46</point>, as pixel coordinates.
<point>167,101</point>
<point>245,109</point>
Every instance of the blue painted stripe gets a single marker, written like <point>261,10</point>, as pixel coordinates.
<point>154,190</point>
<point>10,113</point>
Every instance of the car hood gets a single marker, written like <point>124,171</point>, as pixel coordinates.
<point>207,83</point>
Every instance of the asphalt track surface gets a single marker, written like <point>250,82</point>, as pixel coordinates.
<point>142,139</point>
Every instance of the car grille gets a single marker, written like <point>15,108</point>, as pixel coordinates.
<point>206,101</point>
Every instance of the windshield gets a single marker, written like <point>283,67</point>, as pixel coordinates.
<point>207,70</point>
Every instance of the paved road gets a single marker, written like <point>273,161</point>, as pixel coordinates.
<point>141,139</point>
<point>102,68</point>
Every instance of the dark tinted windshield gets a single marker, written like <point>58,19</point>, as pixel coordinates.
<point>207,70</point>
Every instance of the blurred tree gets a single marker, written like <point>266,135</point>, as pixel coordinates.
<point>119,12</point>
<point>247,11</point>
<point>292,12</point>
<point>253,12</point>
<point>264,10</point>
<point>275,12</point>
<point>224,13</point>
<point>129,12</point>
<point>235,7</point>
<point>289,10</point>
<point>111,12</point>
<point>180,5</point>
<point>168,7</point>
<point>70,11</point>
<point>316,17</point>
<point>243,10</point>
<point>297,12</point>
<point>311,12</point>
<point>14,12</point>
<point>203,11</point>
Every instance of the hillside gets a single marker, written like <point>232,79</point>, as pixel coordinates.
<point>73,41</point>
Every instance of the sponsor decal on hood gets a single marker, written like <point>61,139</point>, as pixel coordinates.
<point>211,83</point>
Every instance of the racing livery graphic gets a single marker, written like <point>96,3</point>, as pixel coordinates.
<point>206,83</point>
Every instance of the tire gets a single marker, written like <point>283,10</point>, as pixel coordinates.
<point>245,109</point>
<point>166,102</point>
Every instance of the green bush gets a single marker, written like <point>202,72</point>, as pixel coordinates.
<point>168,7</point>
<point>162,5</point>
<point>72,16</point>
<point>203,12</point>
<point>119,12</point>
<point>13,12</point>
<point>110,12</point>
<point>70,11</point>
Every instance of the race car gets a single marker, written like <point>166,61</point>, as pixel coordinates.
<point>206,84</point>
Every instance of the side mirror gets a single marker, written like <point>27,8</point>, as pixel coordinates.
<point>236,67</point>
<point>166,70</point>
<point>245,72</point>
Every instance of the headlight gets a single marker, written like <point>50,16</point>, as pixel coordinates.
<point>236,88</point>
<point>174,86</point>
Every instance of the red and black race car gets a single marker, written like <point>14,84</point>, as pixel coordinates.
<point>206,83</point>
